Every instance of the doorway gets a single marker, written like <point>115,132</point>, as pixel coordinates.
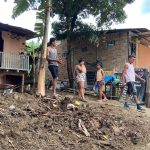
<point>1,42</point>
<point>1,47</point>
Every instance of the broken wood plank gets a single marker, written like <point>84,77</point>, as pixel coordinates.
<point>83,128</point>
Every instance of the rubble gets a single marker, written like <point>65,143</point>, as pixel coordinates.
<point>35,123</point>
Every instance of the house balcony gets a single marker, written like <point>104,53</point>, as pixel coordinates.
<point>14,61</point>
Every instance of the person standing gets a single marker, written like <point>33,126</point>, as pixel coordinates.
<point>53,62</point>
<point>100,83</point>
<point>80,75</point>
<point>128,79</point>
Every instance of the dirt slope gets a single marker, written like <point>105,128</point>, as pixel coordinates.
<point>23,126</point>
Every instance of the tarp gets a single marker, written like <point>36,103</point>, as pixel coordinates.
<point>141,86</point>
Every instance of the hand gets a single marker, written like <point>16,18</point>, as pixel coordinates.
<point>143,80</point>
<point>123,84</point>
<point>59,61</point>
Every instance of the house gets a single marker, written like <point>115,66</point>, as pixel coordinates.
<point>113,51</point>
<point>14,64</point>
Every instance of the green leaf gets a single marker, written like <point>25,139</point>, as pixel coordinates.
<point>21,7</point>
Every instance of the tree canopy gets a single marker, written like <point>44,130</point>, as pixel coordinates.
<point>70,25</point>
<point>71,13</point>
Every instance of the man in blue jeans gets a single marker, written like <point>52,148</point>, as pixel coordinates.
<point>128,78</point>
<point>53,62</point>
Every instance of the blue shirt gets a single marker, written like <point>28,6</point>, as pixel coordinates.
<point>53,55</point>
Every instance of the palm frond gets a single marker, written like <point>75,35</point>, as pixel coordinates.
<point>39,24</point>
<point>21,7</point>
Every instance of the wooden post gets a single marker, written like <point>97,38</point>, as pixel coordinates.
<point>22,84</point>
<point>147,98</point>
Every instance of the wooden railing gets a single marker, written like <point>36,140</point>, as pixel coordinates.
<point>14,61</point>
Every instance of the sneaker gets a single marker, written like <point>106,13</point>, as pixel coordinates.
<point>126,106</point>
<point>139,107</point>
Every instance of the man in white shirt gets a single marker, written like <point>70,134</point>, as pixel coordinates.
<point>128,79</point>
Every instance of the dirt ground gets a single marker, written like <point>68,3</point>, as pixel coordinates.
<point>110,127</point>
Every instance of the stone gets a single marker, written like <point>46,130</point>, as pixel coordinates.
<point>12,108</point>
<point>16,97</point>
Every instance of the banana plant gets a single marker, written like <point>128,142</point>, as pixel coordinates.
<point>43,9</point>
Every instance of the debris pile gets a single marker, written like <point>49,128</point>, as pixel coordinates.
<point>27,122</point>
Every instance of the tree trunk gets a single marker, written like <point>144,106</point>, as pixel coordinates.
<point>34,72</point>
<point>69,54</point>
<point>70,63</point>
<point>41,76</point>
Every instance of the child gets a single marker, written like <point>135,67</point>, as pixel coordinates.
<point>80,75</point>
<point>100,82</point>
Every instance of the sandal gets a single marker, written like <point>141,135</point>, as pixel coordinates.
<point>55,96</point>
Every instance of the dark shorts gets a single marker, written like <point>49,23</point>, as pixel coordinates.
<point>54,71</point>
<point>100,83</point>
<point>131,89</point>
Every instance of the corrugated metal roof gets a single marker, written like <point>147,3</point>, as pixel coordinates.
<point>126,30</point>
<point>17,30</point>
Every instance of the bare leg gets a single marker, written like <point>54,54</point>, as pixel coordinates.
<point>127,98</point>
<point>105,98</point>
<point>100,93</point>
<point>136,99</point>
<point>126,106</point>
<point>54,86</point>
<point>78,90</point>
<point>139,108</point>
<point>81,89</point>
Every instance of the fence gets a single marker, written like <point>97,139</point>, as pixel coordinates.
<point>14,61</point>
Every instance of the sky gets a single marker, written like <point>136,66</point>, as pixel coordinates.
<point>138,16</point>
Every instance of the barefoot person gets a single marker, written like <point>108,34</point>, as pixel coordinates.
<point>80,75</point>
<point>128,78</point>
<point>53,62</point>
<point>100,83</point>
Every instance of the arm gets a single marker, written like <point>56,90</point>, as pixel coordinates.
<point>123,79</point>
<point>137,76</point>
<point>124,73</point>
<point>103,74</point>
<point>79,68</point>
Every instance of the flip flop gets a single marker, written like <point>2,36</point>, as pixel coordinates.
<point>105,100</point>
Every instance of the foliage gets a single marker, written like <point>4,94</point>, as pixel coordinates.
<point>106,12</point>
<point>70,25</point>
<point>71,13</point>
<point>39,6</point>
<point>31,47</point>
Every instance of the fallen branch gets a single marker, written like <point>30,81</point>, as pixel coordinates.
<point>83,128</point>
<point>11,143</point>
<point>107,143</point>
